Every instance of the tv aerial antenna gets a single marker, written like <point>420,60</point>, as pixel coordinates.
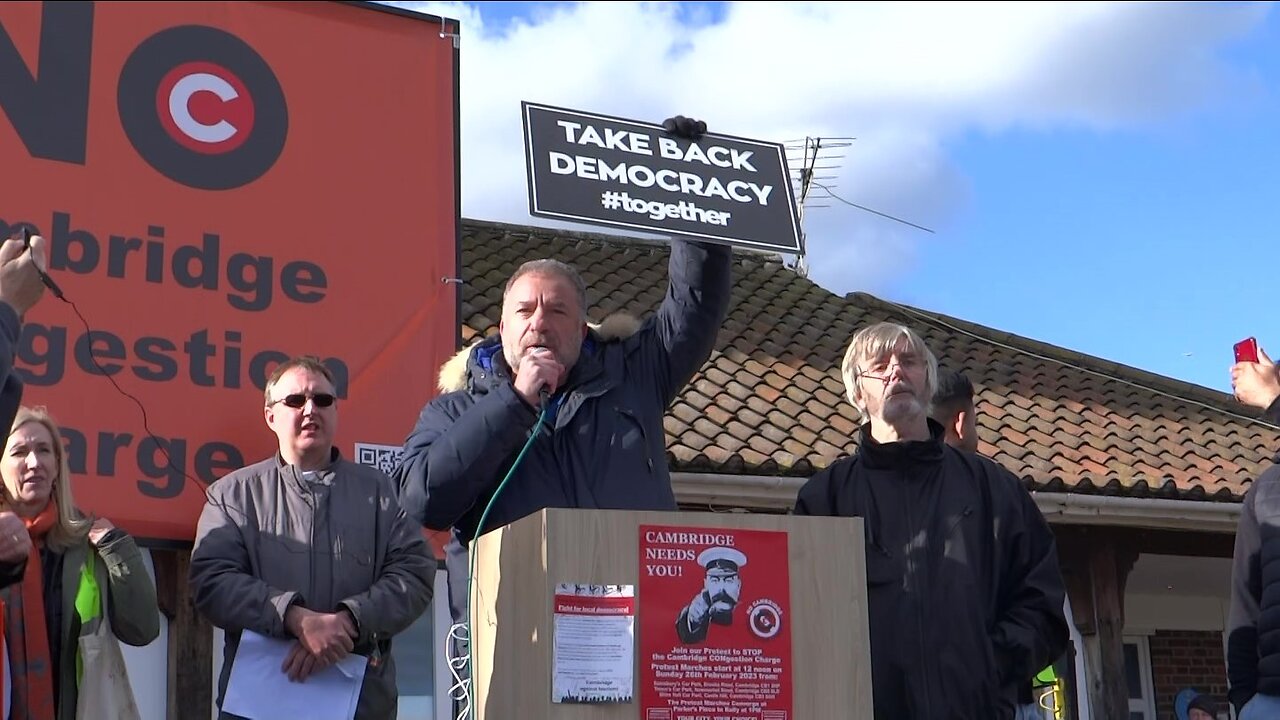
<point>814,162</point>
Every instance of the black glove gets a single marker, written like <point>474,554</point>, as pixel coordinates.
<point>684,127</point>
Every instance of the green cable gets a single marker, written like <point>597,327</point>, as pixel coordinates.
<point>471,572</point>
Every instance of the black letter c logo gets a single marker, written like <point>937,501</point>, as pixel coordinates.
<point>203,108</point>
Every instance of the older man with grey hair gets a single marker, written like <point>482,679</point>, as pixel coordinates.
<point>964,592</point>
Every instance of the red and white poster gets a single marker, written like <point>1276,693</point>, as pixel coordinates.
<point>220,193</point>
<point>715,635</point>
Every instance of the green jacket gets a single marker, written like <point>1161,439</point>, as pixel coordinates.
<point>131,604</point>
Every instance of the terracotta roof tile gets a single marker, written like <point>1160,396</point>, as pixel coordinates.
<point>696,399</point>
<point>762,444</point>
<point>784,369</point>
<point>751,417</point>
<point>718,415</point>
<point>842,425</point>
<point>752,457</point>
<point>1018,413</point>
<point>759,405</point>
<point>804,436</point>
<point>773,433</point>
<point>768,394</point>
<point>694,441</point>
<point>781,419</point>
<point>706,428</point>
<point>731,405</point>
<point>771,401</point>
<point>797,448</point>
<point>731,442</point>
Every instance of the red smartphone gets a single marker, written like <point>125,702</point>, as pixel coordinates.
<point>1247,350</point>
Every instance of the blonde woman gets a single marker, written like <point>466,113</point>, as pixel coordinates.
<point>42,625</point>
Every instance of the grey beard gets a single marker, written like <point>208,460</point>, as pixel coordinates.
<point>896,411</point>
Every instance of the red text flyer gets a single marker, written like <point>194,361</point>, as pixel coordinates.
<point>715,636</point>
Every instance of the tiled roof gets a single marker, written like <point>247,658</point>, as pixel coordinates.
<point>770,400</point>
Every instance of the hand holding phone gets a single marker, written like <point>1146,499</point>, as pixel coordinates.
<point>1254,378</point>
<point>1247,350</point>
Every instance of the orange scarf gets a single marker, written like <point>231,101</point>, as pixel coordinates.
<point>27,632</point>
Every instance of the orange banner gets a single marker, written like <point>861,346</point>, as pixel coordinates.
<point>225,185</point>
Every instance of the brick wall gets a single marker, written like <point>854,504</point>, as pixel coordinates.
<point>1187,658</point>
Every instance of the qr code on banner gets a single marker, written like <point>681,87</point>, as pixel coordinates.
<point>383,457</point>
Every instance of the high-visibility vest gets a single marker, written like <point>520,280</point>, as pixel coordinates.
<point>1045,677</point>
<point>88,604</point>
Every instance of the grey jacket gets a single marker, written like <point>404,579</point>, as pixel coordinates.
<point>267,539</point>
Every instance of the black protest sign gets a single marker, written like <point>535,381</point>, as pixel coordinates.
<point>621,173</point>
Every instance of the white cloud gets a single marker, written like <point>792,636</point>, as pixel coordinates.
<point>902,78</point>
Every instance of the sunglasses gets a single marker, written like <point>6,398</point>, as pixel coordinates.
<point>299,400</point>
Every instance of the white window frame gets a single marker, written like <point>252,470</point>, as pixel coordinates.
<point>1147,703</point>
<point>440,706</point>
<point>441,621</point>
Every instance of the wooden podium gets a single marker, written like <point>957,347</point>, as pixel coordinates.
<point>518,567</point>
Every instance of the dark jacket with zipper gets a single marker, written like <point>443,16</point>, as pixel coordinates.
<point>964,593</point>
<point>11,389</point>
<point>603,443</point>
<point>1253,624</point>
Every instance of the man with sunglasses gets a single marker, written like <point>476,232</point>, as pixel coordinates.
<point>964,593</point>
<point>311,548</point>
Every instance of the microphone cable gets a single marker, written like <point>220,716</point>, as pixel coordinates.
<point>462,688</point>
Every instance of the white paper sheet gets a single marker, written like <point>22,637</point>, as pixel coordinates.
<point>594,648</point>
<point>259,690</point>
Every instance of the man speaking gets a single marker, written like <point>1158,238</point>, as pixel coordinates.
<point>602,392</point>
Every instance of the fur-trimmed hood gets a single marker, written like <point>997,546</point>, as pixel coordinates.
<point>453,373</point>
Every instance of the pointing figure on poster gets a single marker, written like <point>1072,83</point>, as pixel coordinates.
<point>721,589</point>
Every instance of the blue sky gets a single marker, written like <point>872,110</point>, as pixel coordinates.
<point>1103,177</point>
<point>1154,247</point>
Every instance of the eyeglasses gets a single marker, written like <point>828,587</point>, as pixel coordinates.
<point>882,370</point>
<point>298,401</point>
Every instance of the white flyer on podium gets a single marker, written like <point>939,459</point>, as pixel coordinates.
<point>594,644</point>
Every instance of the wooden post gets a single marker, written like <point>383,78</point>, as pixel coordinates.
<point>190,638</point>
<point>1096,567</point>
<point>1108,576</point>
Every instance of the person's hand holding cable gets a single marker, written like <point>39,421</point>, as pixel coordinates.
<point>21,285</point>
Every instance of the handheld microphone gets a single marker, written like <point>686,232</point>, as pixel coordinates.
<point>25,236</point>
<point>544,392</point>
